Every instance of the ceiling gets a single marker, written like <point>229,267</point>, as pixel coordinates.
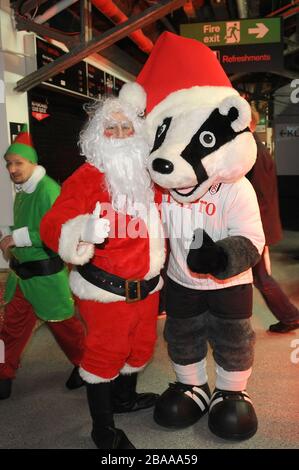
<point>133,52</point>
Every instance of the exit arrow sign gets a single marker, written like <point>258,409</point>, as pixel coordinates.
<point>235,32</point>
<point>260,31</point>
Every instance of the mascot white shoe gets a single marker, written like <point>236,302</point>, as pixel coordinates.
<point>201,149</point>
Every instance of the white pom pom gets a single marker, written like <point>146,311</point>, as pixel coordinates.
<point>133,94</point>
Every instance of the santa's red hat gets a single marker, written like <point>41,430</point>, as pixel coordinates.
<point>182,74</point>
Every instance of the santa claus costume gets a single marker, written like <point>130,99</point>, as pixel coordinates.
<point>116,280</point>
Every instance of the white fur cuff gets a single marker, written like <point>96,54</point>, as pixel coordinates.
<point>92,378</point>
<point>70,249</point>
<point>21,237</point>
<point>127,369</point>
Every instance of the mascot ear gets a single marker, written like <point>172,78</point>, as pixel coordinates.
<point>238,111</point>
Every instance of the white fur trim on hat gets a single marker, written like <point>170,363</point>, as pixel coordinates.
<point>133,94</point>
<point>243,107</point>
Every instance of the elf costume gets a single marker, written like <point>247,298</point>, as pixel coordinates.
<point>201,150</point>
<point>37,285</point>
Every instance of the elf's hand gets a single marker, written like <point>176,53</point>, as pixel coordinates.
<point>209,258</point>
<point>95,229</point>
<point>5,245</point>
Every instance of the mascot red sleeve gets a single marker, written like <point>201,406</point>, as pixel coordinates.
<point>201,150</point>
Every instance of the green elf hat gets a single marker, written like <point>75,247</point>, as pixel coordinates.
<point>23,146</point>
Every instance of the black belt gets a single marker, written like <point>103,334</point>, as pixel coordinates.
<point>43,267</point>
<point>131,289</point>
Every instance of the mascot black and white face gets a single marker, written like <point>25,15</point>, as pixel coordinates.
<point>200,142</point>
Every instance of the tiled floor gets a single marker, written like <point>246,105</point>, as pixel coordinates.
<point>42,414</point>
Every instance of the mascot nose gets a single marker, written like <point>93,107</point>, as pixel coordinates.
<point>162,166</point>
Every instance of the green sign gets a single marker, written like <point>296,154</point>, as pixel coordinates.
<point>234,33</point>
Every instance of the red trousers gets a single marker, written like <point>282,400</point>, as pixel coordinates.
<point>118,333</point>
<point>19,321</point>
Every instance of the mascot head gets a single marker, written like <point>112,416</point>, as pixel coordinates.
<point>197,123</point>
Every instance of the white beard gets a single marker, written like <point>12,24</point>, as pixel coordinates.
<point>124,163</point>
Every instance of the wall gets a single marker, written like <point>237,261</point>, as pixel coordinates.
<point>286,150</point>
<point>286,126</point>
<point>14,108</point>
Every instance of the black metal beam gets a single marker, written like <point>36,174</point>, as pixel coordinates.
<point>285,73</point>
<point>24,24</point>
<point>106,39</point>
<point>28,5</point>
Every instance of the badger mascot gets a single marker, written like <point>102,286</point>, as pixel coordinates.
<point>201,149</point>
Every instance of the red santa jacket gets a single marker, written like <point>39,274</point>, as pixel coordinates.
<point>133,250</point>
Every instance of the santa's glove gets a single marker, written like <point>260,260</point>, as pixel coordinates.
<point>95,229</point>
<point>205,256</point>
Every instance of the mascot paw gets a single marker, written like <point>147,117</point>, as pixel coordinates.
<point>231,415</point>
<point>182,405</point>
<point>205,256</point>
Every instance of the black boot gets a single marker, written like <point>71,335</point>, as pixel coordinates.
<point>5,388</point>
<point>281,327</point>
<point>125,397</point>
<point>182,405</point>
<point>104,434</point>
<point>232,415</point>
<point>74,381</point>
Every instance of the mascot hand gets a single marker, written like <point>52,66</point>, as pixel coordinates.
<point>205,256</point>
<point>95,229</point>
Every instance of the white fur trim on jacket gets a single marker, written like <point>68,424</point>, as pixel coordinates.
<point>70,237</point>
<point>128,370</point>
<point>30,185</point>
<point>21,237</point>
<point>156,242</point>
<point>92,378</point>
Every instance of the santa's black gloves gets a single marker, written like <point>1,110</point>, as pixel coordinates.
<point>206,257</point>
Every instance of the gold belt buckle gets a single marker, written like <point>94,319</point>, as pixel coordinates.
<point>127,290</point>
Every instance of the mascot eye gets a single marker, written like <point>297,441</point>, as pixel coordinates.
<point>207,139</point>
<point>161,130</point>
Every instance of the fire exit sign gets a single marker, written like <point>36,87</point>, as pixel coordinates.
<point>234,33</point>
